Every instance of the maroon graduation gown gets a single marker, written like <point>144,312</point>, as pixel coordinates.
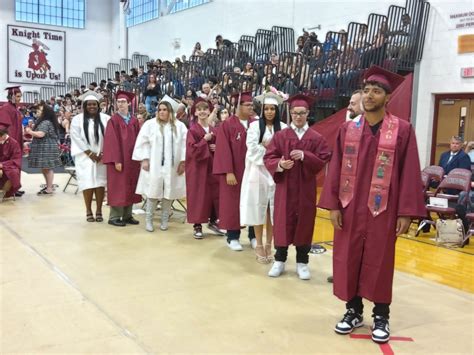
<point>10,116</point>
<point>295,192</point>
<point>10,157</point>
<point>202,187</point>
<point>229,157</point>
<point>119,141</point>
<point>364,250</point>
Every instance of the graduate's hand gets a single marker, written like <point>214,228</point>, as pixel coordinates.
<point>1,166</point>
<point>180,169</point>
<point>266,142</point>
<point>231,179</point>
<point>336,218</point>
<point>212,147</point>
<point>208,136</point>
<point>403,223</point>
<point>94,158</point>
<point>118,167</point>
<point>1,173</point>
<point>146,165</point>
<point>296,154</point>
<point>286,164</point>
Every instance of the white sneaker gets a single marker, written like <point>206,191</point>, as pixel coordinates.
<point>303,271</point>
<point>277,269</point>
<point>234,245</point>
<point>253,243</point>
<point>164,225</point>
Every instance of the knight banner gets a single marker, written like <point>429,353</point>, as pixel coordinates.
<point>36,56</point>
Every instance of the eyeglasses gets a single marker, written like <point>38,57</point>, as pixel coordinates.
<point>299,114</point>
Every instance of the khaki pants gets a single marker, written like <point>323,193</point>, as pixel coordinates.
<point>121,212</point>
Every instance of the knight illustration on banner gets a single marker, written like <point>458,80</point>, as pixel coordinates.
<point>37,60</point>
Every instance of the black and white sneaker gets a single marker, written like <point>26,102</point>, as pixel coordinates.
<point>198,232</point>
<point>380,330</point>
<point>349,322</point>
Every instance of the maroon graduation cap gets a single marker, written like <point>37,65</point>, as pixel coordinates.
<point>12,90</point>
<point>300,100</point>
<point>129,96</point>
<point>197,101</point>
<point>383,76</point>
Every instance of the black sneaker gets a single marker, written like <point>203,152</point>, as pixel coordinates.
<point>350,321</point>
<point>380,330</point>
<point>198,232</point>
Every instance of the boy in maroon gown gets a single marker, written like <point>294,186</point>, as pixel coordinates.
<point>122,172</point>
<point>373,189</point>
<point>10,164</point>
<point>229,165</point>
<point>202,187</point>
<point>11,117</point>
<point>294,157</point>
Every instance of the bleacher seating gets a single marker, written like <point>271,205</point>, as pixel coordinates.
<point>330,68</point>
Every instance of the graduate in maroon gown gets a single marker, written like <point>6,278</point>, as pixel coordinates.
<point>202,187</point>
<point>11,117</point>
<point>10,164</point>
<point>294,157</point>
<point>373,189</point>
<point>122,172</point>
<point>229,165</point>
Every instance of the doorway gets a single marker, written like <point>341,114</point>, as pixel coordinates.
<point>454,116</point>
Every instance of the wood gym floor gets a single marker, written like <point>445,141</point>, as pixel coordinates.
<point>68,286</point>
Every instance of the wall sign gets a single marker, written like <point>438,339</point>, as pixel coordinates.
<point>36,56</point>
<point>461,20</point>
<point>467,72</point>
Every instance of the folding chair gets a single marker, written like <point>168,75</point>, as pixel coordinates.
<point>71,170</point>
<point>429,175</point>
<point>456,180</point>
<point>470,232</point>
<point>435,175</point>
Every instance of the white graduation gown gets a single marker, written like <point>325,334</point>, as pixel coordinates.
<point>89,174</point>
<point>162,181</point>
<point>258,188</point>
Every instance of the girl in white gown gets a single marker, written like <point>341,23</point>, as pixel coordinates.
<point>258,189</point>
<point>87,140</point>
<point>160,147</point>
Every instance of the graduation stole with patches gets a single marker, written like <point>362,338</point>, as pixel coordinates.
<point>382,173</point>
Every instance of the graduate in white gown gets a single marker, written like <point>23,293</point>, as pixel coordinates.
<point>87,139</point>
<point>161,149</point>
<point>258,188</point>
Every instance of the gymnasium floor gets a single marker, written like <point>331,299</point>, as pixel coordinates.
<point>68,286</point>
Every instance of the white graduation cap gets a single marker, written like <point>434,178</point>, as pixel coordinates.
<point>90,95</point>
<point>174,104</point>
<point>269,98</point>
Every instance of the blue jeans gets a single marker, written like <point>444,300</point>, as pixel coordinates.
<point>150,103</point>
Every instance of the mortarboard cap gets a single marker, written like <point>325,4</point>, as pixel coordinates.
<point>199,100</point>
<point>300,100</point>
<point>129,96</point>
<point>387,78</point>
<point>13,89</point>
<point>240,98</point>
<point>269,98</point>
<point>171,101</point>
<point>91,95</point>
